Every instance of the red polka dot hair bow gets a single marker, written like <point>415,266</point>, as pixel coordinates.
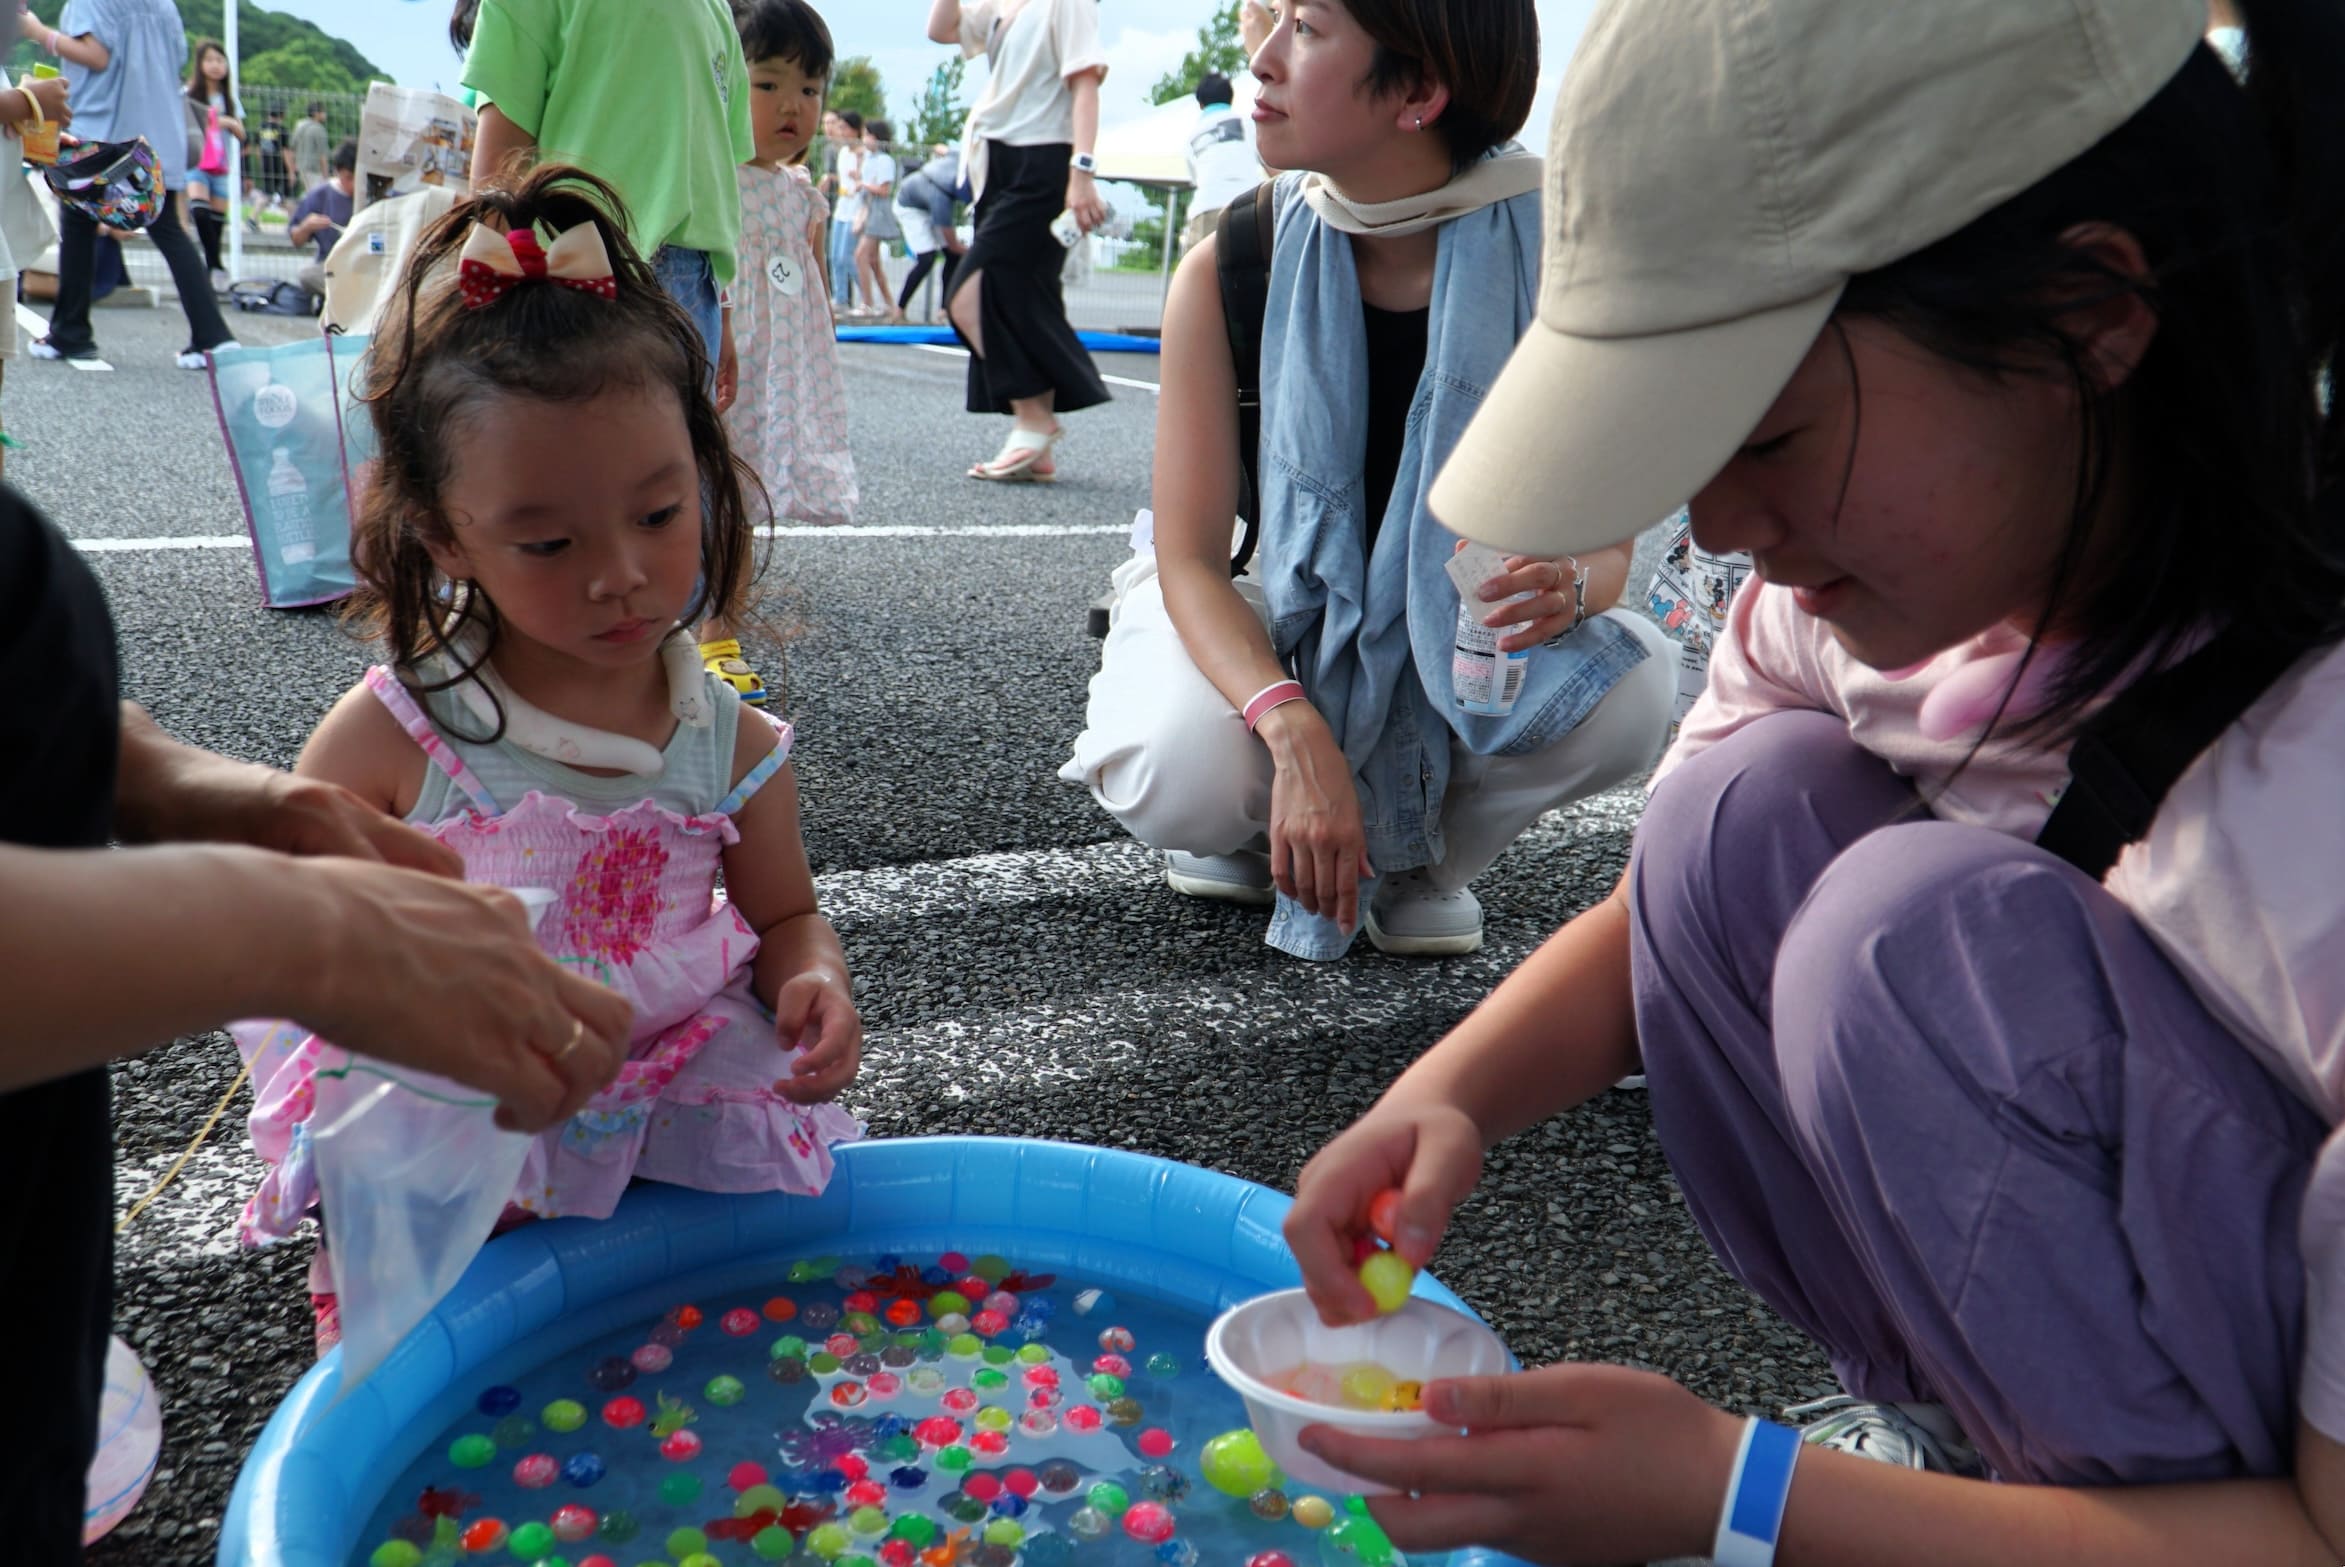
<point>495,264</point>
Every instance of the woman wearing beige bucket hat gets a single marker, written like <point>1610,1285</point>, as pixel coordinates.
<point>1996,331</point>
<point>1305,735</point>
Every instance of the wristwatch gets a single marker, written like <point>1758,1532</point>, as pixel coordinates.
<point>1086,164</point>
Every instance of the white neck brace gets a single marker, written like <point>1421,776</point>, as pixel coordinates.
<point>576,745</point>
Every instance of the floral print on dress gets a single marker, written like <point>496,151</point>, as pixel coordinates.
<point>637,909</point>
<point>614,899</point>
<point>789,418</point>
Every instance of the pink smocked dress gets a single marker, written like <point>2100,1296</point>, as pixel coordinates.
<point>789,418</point>
<point>637,909</point>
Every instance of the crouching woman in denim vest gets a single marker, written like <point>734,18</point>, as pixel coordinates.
<point>1299,737</point>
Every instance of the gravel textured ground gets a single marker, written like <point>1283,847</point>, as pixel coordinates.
<point>1022,968</point>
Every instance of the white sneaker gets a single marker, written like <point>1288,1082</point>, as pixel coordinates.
<point>219,280</point>
<point>1243,877</point>
<point>1412,918</point>
<point>199,358</point>
<point>1912,1436</point>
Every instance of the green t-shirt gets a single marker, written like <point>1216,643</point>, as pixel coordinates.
<point>650,95</point>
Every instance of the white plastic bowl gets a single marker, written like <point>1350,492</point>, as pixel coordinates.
<point>1277,1332</point>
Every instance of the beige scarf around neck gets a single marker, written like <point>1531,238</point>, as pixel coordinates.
<point>1504,175</point>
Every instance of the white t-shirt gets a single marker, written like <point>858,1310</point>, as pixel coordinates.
<point>1222,164</point>
<point>846,169</point>
<point>1027,102</point>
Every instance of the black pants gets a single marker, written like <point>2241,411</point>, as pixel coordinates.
<point>1029,348</point>
<point>209,225</point>
<point>919,275</point>
<point>56,1291</point>
<point>77,241</point>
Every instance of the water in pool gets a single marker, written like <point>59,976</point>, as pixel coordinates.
<point>933,1412</point>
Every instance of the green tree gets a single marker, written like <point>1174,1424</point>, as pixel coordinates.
<point>303,66</point>
<point>261,33</point>
<point>855,85</point>
<point>939,114</point>
<point>1218,49</point>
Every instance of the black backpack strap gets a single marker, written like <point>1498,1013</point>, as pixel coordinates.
<point>2128,756</point>
<point>1242,251</point>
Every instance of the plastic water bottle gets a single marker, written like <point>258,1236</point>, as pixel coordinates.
<point>1481,678</point>
<point>289,511</point>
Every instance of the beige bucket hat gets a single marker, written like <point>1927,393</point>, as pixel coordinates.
<point>1717,171</point>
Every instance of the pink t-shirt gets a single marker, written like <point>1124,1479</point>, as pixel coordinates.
<point>2237,880</point>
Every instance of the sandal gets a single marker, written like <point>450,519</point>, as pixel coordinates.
<point>326,1321</point>
<point>1020,459</point>
<point>724,661</point>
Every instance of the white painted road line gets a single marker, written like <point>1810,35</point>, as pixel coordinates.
<point>1018,530</point>
<point>1112,380</point>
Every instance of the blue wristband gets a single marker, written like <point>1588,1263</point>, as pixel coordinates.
<point>1753,1513</point>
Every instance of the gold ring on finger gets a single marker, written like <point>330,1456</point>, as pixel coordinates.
<point>577,1033</point>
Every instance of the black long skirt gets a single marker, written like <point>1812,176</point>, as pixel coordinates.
<point>1029,348</point>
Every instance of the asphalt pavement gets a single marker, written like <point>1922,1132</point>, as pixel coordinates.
<point>1021,967</point>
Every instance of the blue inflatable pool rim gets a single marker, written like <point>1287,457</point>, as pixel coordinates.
<point>1192,1238</point>
<point>944,337</point>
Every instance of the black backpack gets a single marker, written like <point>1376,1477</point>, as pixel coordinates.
<point>2129,754</point>
<point>1242,250</point>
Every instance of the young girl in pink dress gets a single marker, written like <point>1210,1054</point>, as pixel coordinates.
<point>555,502</point>
<point>789,418</point>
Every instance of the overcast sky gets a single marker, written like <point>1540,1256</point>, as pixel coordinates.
<point>1145,38</point>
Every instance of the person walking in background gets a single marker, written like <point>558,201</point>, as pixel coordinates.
<point>846,183</point>
<point>214,120</point>
<point>1028,148</point>
<point>789,418</point>
<point>308,151</point>
<point>122,61</point>
<point>925,206</point>
<point>879,227</point>
<point>323,214</point>
<point>1222,162</point>
<point>270,168</point>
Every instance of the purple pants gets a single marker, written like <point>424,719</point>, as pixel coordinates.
<point>1935,1096</point>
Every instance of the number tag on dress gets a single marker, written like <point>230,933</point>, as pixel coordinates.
<point>787,276</point>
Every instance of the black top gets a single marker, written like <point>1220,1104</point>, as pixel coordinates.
<point>1396,362</point>
<point>59,732</point>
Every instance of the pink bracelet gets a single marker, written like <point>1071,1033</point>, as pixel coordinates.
<point>1277,694</point>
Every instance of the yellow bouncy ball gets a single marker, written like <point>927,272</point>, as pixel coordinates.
<point>1386,1275</point>
<point>1234,1464</point>
<point>1313,1512</point>
<point>1367,1385</point>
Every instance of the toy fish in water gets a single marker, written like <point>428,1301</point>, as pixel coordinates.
<point>673,1417</point>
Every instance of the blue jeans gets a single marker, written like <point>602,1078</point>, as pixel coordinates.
<point>842,263</point>
<point>692,282</point>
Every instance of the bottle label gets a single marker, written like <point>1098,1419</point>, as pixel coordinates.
<point>1481,678</point>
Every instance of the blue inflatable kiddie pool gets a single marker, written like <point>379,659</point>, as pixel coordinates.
<point>742,1420</point>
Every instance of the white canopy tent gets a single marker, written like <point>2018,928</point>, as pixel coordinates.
<point>1153,151</point>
